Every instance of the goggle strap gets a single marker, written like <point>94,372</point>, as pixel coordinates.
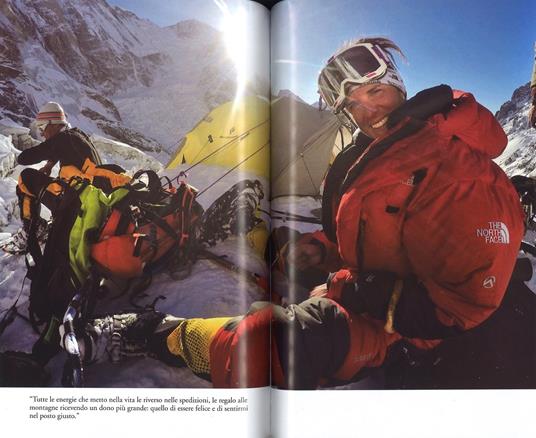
<point>381,54</point>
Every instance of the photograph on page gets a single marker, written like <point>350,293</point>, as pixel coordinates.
<point>134,180</point>
<point>403,195</point>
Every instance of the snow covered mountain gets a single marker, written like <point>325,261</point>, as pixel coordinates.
<point>518,158</point>
<point>114,73</point>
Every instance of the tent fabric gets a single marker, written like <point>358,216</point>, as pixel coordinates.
<point>304,141</point>
<point>228,135</point>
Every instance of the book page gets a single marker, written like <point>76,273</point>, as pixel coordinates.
<point>402,160</point>
<point>134,215</point>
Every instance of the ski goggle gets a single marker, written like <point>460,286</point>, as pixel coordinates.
<point>356,65</point>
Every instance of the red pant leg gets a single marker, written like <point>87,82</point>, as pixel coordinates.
<point>240,351</point>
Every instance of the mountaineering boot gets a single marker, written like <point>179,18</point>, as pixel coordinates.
<point>129,335</point>
<point>18,242</point>
<point>175,341</point>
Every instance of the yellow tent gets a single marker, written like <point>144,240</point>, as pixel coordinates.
<point>234,135</point>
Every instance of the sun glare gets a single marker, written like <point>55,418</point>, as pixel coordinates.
<point>236,41</point>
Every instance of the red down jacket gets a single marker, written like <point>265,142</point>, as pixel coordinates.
<point>434,205</point>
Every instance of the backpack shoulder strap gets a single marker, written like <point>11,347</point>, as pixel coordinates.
<point>154,185</point>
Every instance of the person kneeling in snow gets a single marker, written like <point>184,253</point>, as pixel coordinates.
<point>76,155</point>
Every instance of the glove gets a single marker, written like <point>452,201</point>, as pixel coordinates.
<point>424,104</point>
<point>369,294</point>
<point>414,315</point>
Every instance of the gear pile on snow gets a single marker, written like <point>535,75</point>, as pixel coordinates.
<point>95,236</point>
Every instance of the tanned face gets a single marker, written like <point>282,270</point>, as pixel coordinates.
<point>51,130</point>
<point>370,106</point>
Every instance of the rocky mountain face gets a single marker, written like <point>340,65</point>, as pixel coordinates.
<point>518,158</point>
<point>113,72</point>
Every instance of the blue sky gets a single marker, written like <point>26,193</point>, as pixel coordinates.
<point>481,46</point>
<point>484,47</point>
<point>166,13</point>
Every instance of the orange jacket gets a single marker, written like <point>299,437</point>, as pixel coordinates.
<point>434,205</point>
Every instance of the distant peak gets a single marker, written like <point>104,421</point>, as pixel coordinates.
<point>520,97</point>
<point>289,95</point>
<point>192,27</point>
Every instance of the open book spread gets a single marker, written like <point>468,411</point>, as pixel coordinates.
<point>220,218</point>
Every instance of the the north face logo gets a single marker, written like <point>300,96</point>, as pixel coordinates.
<point>497,232</point>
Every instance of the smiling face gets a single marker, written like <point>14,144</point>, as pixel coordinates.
<point>370,106</point>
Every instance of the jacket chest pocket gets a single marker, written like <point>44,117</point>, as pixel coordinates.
<point>381,222</point>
